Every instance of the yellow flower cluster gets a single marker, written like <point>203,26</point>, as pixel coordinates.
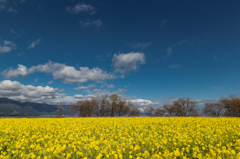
<point>113,138</point>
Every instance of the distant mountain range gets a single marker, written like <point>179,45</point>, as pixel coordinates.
<point>10,107</point>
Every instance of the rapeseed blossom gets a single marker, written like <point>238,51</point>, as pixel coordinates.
<point>120,138</point>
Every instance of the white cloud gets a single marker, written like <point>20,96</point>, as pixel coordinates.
<point>84,87</point>
<point>33,44</point>
<point>127,85</point>
<point>142,102</point>
<point>60,71</point>
<point>110,86</point>
<point>78,96</point>
<point>3,4</point>
<point>82,97</point>
<point>140,45</point>
<point>174,66</point>
<point>124,63</point>
<point>21,70</point>
<point>7,47</point>
<point>22,1</point>
<point>3,1</point>
<point>17,91</point>
<point>36,80</point>
<point>163,22</point>
<point>50,82</point>
<point>2,7</point>
<point>169,51</point>
<point>10,9</point>
<point>121,90</point>
<point>89,23</point>
<point>81,8</point>
<point>15,32</point>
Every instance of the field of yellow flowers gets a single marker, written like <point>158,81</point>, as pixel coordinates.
<point>143,137</point>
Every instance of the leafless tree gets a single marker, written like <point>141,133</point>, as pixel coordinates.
<point>182,107</point>
<point>105,106</point>
<point>134,111</point>
<point>169,109</point>
<point>80,107</point>
<point>149,111</point>
<point>115,99</point>
<point>185,107</point>
<point>85,108</point>
<point>231,105</point>
<point>159,112</point>
<point>213,109</point>
<point>60,111</point>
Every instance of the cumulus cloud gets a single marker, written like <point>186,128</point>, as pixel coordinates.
<point>21,70</point>
<point>140,45</point>
<point>84,87</point>
<point>142,102</point>
<point>67,74</point>
<point>78,96</point>
<point>7,46</point>
<point>81,8</point>
<point>89,23</point>
<point>33,44</point>
<point>82,97</point>
<point>17,91</point>
<point>124,63</point>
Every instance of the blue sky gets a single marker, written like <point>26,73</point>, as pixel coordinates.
<point>149,52</point>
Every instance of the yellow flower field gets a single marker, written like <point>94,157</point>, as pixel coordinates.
<point>143,137</point>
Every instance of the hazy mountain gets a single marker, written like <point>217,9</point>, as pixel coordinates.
<point>10,107</point>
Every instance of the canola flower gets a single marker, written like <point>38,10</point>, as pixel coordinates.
<point>120,138</point>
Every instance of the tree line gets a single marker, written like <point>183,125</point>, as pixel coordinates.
<point>228,107</point>
<point>110,106</point>
<point>107,106</point>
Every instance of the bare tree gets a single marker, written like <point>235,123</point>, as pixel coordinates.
<point>169,109</point>
<point>134,111</point>
<point>115,99</point>
<point>79,107</point>
<point>213,109</point>
<point>149,111</point>
<point>159,112</point>
<point>93,107</point>
<point>60,111</point>
<point>231,105</point>
<point>182,107</point>
<point>185,107</point>
<point>105,106</point>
